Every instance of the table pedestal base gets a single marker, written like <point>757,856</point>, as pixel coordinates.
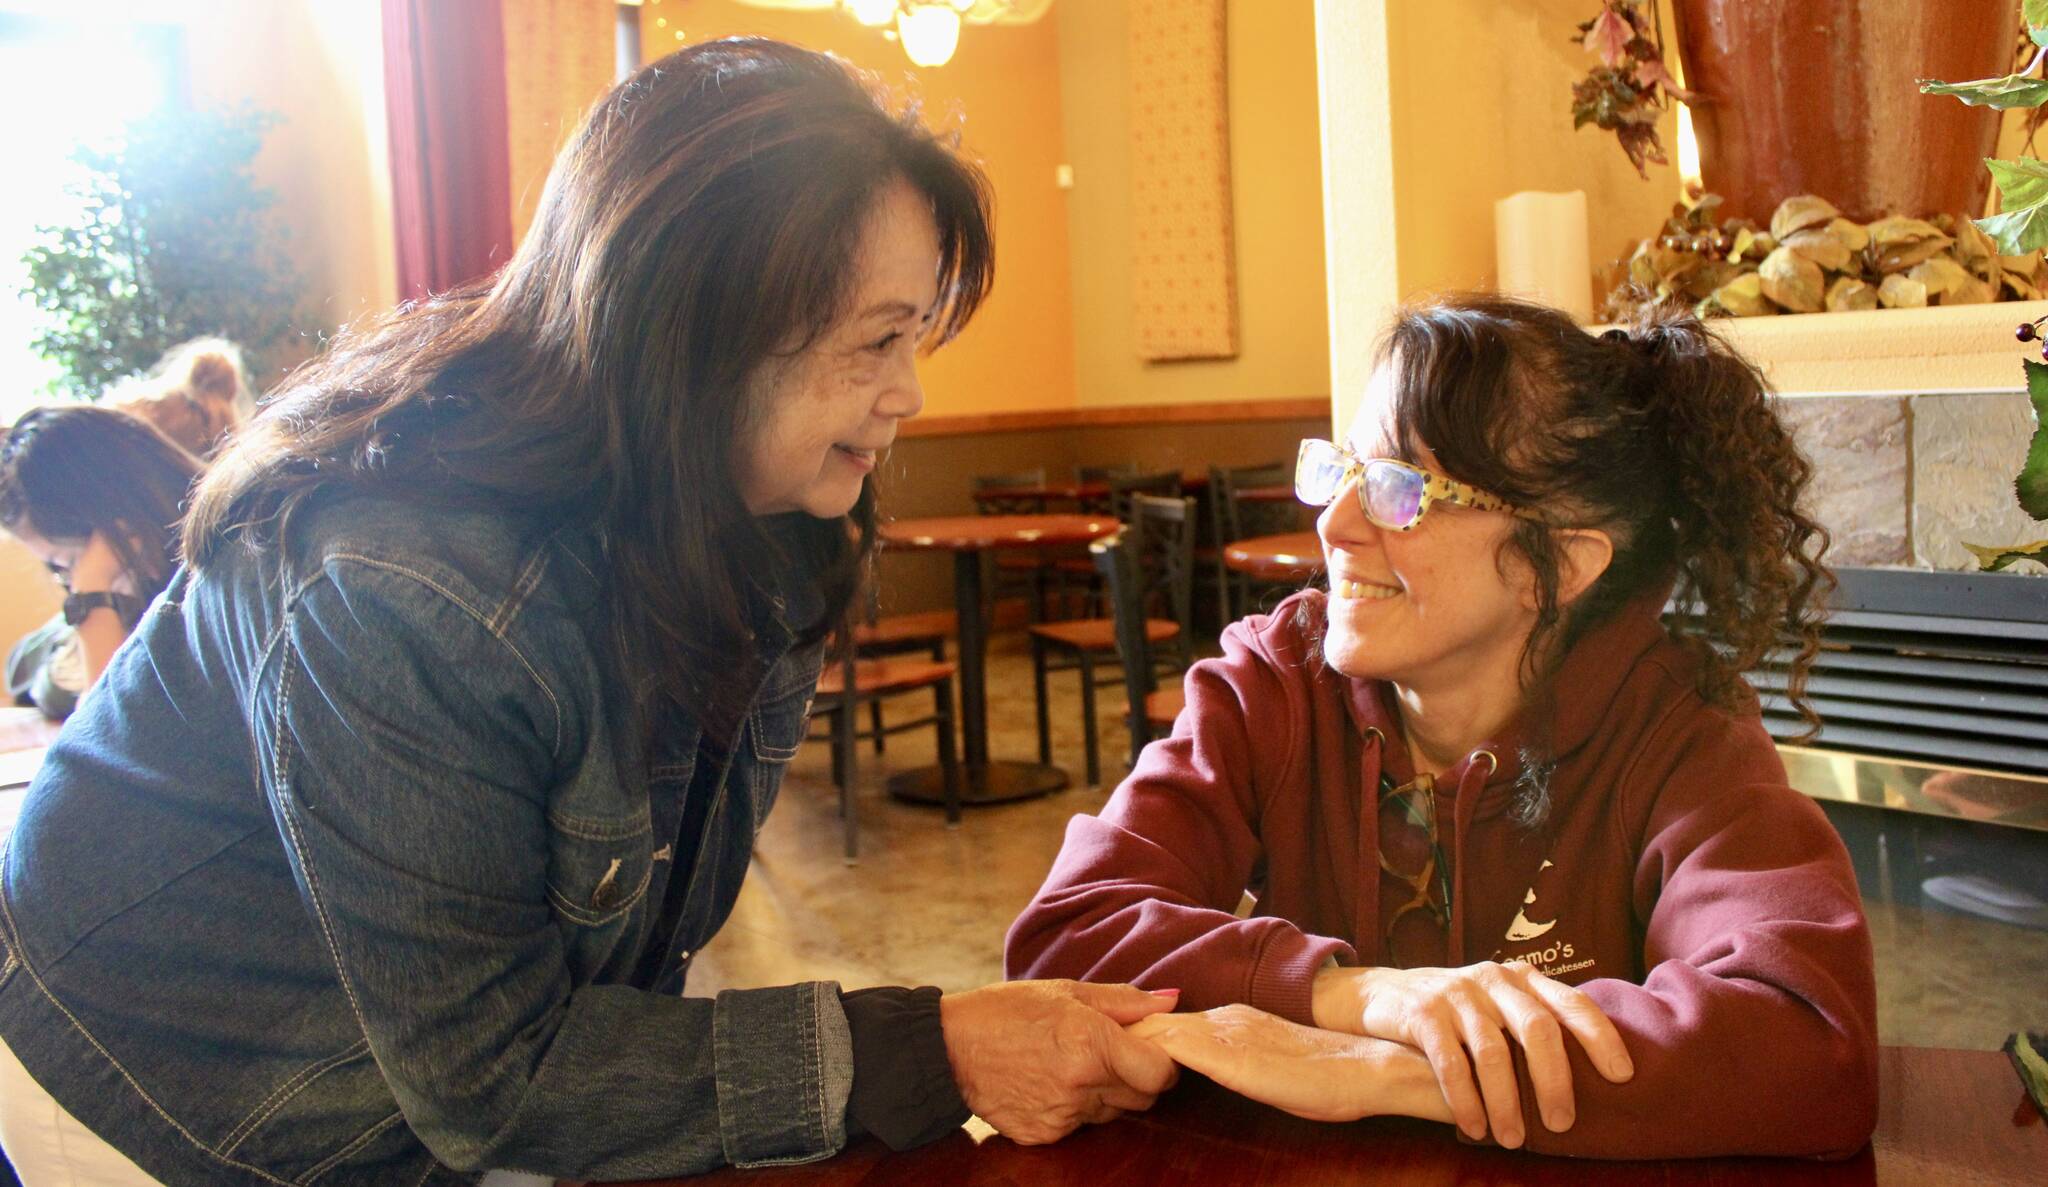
<point>994,783</point>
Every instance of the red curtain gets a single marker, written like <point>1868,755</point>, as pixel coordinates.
<point>444,90</point>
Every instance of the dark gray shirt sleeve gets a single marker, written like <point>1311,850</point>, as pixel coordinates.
<point>903,1088</point>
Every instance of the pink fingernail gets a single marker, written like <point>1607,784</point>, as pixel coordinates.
<point>1165,992</point>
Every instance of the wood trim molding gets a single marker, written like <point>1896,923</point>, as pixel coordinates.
<point>1313,408</point>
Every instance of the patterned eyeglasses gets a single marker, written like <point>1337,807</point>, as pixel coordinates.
<point>1393,494</point>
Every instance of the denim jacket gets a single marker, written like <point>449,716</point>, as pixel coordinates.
<point>356,871</point>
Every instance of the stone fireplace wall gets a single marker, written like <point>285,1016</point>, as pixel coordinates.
<point>1904,481</point>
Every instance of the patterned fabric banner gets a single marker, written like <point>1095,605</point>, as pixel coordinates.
<point>558,60</point>
<point>1183,263</point>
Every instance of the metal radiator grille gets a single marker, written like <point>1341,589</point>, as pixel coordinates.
<point>1948,668</point>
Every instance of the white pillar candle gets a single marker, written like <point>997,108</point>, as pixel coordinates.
<point>1539,244</point>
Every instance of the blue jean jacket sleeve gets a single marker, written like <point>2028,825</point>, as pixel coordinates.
<point>409,761</point>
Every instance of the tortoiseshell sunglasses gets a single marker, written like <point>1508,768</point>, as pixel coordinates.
<point>1393,494</point>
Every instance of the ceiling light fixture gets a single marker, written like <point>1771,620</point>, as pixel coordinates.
<point>928,30</point>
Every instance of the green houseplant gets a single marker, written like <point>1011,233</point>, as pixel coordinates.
<point>173,241</point>
<point>2020,226</point>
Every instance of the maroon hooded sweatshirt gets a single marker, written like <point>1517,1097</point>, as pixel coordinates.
<point>1678,880</point>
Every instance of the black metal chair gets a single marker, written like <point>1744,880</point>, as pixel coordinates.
<point>1152,709</point>
<point>1162,533</point>
<point>845,686</point>
<point>1236,519</point>
<point>1123,487</point>
<point>1018,571</point>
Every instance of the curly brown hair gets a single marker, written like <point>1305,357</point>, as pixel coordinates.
<point>1660,435</point>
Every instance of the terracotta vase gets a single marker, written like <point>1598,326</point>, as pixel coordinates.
<point>1820,97</point>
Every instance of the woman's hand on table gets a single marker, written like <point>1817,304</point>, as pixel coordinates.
<point>1448,1013</point>
<point>1038,1059</point>
<point>1318,1074</point>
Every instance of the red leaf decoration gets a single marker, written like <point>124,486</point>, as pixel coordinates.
<point>1609,37</point>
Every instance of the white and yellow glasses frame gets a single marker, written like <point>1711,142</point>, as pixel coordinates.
<point>1393,494</point>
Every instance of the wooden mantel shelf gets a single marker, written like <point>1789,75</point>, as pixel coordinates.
<point>1960,348</point>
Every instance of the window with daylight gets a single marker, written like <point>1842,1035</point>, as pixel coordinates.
<point>63,85</point>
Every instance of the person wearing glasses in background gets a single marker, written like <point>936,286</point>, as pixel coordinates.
<point>1522,858</point>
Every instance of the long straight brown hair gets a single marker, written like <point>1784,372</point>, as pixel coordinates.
<point>704,220</point>
<point>70,470</point>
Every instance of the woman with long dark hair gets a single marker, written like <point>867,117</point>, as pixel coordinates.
<point>383,855</point>
<point>1524,858</point>
<point>96,495</point>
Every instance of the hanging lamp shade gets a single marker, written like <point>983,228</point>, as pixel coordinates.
<point>930,32</point>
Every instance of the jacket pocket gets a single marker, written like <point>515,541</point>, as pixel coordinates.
<point>775,730</point>
<point>598,870</point>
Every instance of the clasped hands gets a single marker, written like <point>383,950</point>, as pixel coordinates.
<point>1430,1043</point>
<point>1037,1059</point>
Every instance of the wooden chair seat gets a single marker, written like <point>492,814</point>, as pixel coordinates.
<point>902,630</point>
<point>1164,705</point>
<point>1099,634</point>
<point>880,677</point>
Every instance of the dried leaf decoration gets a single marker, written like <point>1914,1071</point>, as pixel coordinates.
<point>1901,243</point>
<point>1743,297</point>
<point>1797,214</point>
<point>1898,292</point>
<point>1822,246</point>
<point>1624,94</point>
<point>1941,260</point>
<point>1940,274</point>
<point>1609,37</point>
<point>1850,295</point>
<point>1793,281</point>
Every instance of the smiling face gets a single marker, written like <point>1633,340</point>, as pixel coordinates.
<point>831,410</point>
<point>1439,605</point>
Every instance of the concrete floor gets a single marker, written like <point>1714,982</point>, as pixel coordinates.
<point>928,905</point>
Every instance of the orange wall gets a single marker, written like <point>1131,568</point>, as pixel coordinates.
<point>1002,91</point>
<point>1482,108</point>
<point>1276,199</point>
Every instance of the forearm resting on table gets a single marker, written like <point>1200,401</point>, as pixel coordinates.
<point>1318,1074</point>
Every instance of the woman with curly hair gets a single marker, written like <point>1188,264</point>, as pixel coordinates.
<point>1523,856</point>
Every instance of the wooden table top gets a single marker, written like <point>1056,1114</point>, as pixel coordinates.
<point>1290,556</point>
<point>968,532</point>
<point>1945,1117</point>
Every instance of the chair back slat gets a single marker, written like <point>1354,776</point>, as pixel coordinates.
<point>1116,559</point>
<point>1164,484</point>
<point>1162,531</point>
<point>1237,519</point>
<point>1021,505</point>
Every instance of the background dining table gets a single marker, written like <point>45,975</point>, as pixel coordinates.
<point>984,780</point>
<point>1944,1117</point>
<point>1290,556</point>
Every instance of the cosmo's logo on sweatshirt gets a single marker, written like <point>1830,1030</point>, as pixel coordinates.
<point>1552,959</point>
